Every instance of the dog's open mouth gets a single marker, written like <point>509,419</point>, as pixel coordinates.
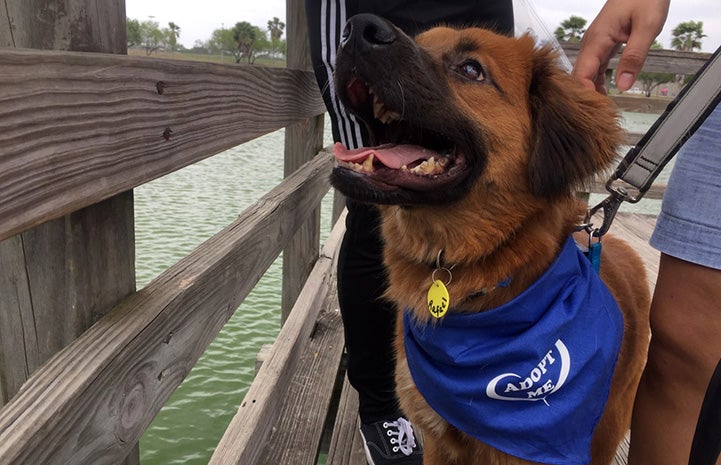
<point>403,165</point>
<point>410,155</point>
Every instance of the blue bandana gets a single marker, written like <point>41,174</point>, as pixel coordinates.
<point>531,377</point>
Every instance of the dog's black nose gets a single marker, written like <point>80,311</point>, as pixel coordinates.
<point>366,30</point>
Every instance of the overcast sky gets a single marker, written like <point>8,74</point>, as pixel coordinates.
<point>197,19</point>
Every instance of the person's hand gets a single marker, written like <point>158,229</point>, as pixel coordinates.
<point>633,22</point>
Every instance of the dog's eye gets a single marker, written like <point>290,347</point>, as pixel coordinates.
<point>470,69</point>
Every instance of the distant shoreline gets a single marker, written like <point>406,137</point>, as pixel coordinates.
<point>641,104</point>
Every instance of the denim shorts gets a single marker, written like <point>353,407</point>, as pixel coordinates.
<point>689,225</point>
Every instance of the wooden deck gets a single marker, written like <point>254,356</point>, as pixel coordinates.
<point>316,408</point>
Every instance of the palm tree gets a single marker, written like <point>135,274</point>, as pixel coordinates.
<point>245,36</point>
<point>687,36</point>
<point>571,30</point>
<point>275,27</point>
<point>174,33</point>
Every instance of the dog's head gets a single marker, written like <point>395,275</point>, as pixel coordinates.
<point>457,111</point>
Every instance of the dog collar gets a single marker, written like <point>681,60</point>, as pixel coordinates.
<point>530,377</point>
<point>439,299</point>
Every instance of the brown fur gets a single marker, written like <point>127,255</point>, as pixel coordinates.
<point>542,136</point>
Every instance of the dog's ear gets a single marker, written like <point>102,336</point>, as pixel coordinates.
<point>575,131</point>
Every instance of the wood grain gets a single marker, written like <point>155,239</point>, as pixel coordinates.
<point>346,444</point>
<point>77,128</point>
<point>61,276</point>
<point>248,432</point>
<point>657,61</point>
<point>297,431</point>
<point>302,141</point>
<point>92,401</point>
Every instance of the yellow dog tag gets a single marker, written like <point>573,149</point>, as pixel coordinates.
<point>438,299</point>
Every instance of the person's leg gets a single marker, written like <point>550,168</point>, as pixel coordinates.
<point>686,308</point>
<point>685,348</point>
<point>368,319</point>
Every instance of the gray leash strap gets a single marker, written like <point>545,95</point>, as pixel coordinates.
<point>673,128</point>
<point>644,162</point>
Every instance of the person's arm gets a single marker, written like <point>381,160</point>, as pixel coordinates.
<point>633,22</point>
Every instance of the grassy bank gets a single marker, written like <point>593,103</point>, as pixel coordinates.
<point>206,58</point>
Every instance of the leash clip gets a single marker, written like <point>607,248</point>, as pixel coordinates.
<point>610,206</point>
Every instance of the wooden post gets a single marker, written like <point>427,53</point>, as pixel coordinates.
<point>57,279</point>
<point>302,142</point>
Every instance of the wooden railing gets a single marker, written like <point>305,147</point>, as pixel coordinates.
<point>95,398</point>
<point>78,128</point>
<point>657,61</point>
<point>85,362</point>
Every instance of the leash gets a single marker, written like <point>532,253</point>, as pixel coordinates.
<point>644,162</point>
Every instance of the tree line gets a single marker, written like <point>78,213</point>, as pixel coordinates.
<point>686,36</point>
<point>244,41</point>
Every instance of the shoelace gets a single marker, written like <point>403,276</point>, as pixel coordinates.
<point>403,433</point>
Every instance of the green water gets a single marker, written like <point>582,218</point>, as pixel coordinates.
<point>175,214</point>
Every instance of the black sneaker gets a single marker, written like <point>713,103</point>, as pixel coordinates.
<point>391,443</point>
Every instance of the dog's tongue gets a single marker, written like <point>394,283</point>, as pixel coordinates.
<point>391,155</point>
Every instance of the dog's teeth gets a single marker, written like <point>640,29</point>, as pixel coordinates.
<point>378,109</point>
<point>425,168</point>
<point>381,113</point>
<point>368,164</point>
<point>389,116</point>
<point>431,166</point>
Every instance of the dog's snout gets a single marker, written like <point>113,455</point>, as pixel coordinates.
<point>366,30</point>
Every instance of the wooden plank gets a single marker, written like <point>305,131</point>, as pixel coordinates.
<point>94,399</point>
<point>16,354</point>
<point>60,277</point>
<point>76,128</point>
<point>252,425</point>
<point>79,25</point>
<point>297,432</point>
<point>7,39</point>
<point>655,192</point>
<point>636,229</point>
<point>302,141</point>
<point>346,444</point>
<point>657,61</point>
<point>632,138</point>
<point>57,280</point>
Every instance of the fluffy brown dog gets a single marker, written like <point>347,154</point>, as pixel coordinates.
<point>486,140</point>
